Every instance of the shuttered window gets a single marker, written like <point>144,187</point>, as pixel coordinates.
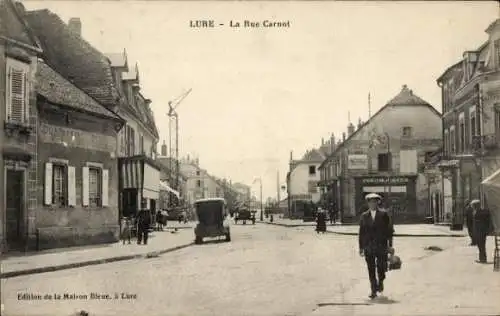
<point>95,187</point>
<point>59,185</point>
<point>17,109</point>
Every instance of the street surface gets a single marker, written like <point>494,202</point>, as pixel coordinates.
<point>269,270</point>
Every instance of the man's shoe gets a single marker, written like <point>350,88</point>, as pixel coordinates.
<point>481,261</point>
<point>380,287</point>
<point>373,295</point>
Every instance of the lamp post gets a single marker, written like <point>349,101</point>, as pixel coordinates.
<point>261,208</point>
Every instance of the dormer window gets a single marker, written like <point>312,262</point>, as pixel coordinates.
<point>406,132</point>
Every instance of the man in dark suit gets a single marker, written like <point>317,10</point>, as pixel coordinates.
<point>482,227</point>
<point>375,239</point>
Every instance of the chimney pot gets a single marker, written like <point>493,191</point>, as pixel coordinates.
<point>405,87</point>
<point>75,25</point>
<point>322,141</point>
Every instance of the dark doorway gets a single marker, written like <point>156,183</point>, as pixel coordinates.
<point>14,212</point>
<point>129,202</point>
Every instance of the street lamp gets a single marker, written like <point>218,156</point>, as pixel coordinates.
<point>261,207</point>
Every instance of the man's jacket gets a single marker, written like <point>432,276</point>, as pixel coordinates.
<point>375,234</point>
<point>482,221</point>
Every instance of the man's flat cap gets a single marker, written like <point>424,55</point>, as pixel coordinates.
<point>373,196</point>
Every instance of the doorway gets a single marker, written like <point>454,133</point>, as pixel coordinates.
<point>14,194</point>
<point>129,202</point>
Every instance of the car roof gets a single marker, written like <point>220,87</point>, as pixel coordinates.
<point>210,200</point>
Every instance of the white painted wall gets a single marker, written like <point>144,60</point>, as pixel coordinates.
<point>299,180</point>
<point>149,139</point>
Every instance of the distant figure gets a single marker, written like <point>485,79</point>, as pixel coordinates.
<point>469,221</point>
<point>143,222</point>
<point>159,221</point>
<point>375,241</point>
<point>321,221</point>
<point>482,227</point>
<point>126,231</point>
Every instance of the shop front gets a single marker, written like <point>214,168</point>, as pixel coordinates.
<point>139,185</point>
<point>398,194</point>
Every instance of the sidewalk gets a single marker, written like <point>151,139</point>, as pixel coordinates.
<point>408,230</point>
<point>447,283</point>
<point>67,258</point>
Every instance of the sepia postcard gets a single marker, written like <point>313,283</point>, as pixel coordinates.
<point>258,158</point>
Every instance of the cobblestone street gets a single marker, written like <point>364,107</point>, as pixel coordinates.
<point>270,270</point>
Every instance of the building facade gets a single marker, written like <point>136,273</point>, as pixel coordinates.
<point>302,183</point>
<point>19,51</point>
<point>199,183</point>
<point>78,178</point>
<point>386,155</point>
<point>137,142</point>
<point>471,125</point>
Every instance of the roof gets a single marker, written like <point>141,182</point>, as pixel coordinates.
<point>132,74</point>
<point>73,57</point>
<point>58,90</point>
<point>210,199</point>
<point>404,98</point>
<point>13,25</point>
<point>313,155</point>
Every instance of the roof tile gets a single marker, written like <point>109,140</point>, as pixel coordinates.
<point>58,90</point>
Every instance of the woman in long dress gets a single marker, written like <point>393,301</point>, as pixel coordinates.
<point>321,221</point>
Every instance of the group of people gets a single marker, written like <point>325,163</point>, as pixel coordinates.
<point>479,226</point>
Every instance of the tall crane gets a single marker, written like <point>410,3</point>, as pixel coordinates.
<point>174,138</point>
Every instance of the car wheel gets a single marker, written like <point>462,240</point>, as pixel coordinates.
<point>198,240</point>
<point>228,237</point>
<point>244,222</point>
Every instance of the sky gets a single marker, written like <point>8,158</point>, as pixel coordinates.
<point>258,94</point>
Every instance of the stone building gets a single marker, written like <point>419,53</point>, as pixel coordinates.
<point>471,125</point>
<point>76,153</point>
<point>19,49</point>
<point>386,155</point>
<point>199,183</point>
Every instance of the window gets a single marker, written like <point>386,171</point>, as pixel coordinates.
<point>94,187</point>
<point>312,170</point>
<point>59,185</point>
<point>197,172</point>
<point>446,141</point>
<point>141,145</point>
<point>497,124</point>
<point>497,52</point>
<point>407,132</point>
<point>462,136</point>
<point>17,92</point>
<point>198,183</point>
<point>472,126</point>
<point>384,162</point>
<point>130,140</point>
<point>452,139</point>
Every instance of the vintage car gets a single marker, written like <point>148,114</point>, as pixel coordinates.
<point>213,219</point>
<point>244,215</point>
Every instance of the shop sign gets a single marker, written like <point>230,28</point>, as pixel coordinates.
<point>386,180</point>
<point>357,162</point>
<point>76,138</point>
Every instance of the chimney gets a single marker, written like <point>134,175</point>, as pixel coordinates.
<point>75,25</point>
<point>164,149</point>
<point>343,136</point>
<point>291,155</point>
<point>350,129</point>
<point>360,123</point>
<point>188,159</point>
<point>322,141</point>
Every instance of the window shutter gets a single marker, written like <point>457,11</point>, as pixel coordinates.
<point>48,183</point>
<point>71,186</point>
<point>17,94</point>
<point>105,184</point>
<point>8,98</point>
<point>85,186</point>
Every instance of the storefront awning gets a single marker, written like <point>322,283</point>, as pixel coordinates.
<point>140,172</point>
<point>165,187</point>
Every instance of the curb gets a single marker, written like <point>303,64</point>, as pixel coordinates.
<point>13,274</point>
<point>356,234</point>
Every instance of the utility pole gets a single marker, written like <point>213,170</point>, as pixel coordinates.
<point>261,203</point>
<point>369,106</point>
<point>278,186</point>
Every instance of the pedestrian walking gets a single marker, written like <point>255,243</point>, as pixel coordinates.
<point>321,221</point>
<point>469,221</point>
<point>375,242</point>
<point>143,222</point>
<point>482,227</point>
